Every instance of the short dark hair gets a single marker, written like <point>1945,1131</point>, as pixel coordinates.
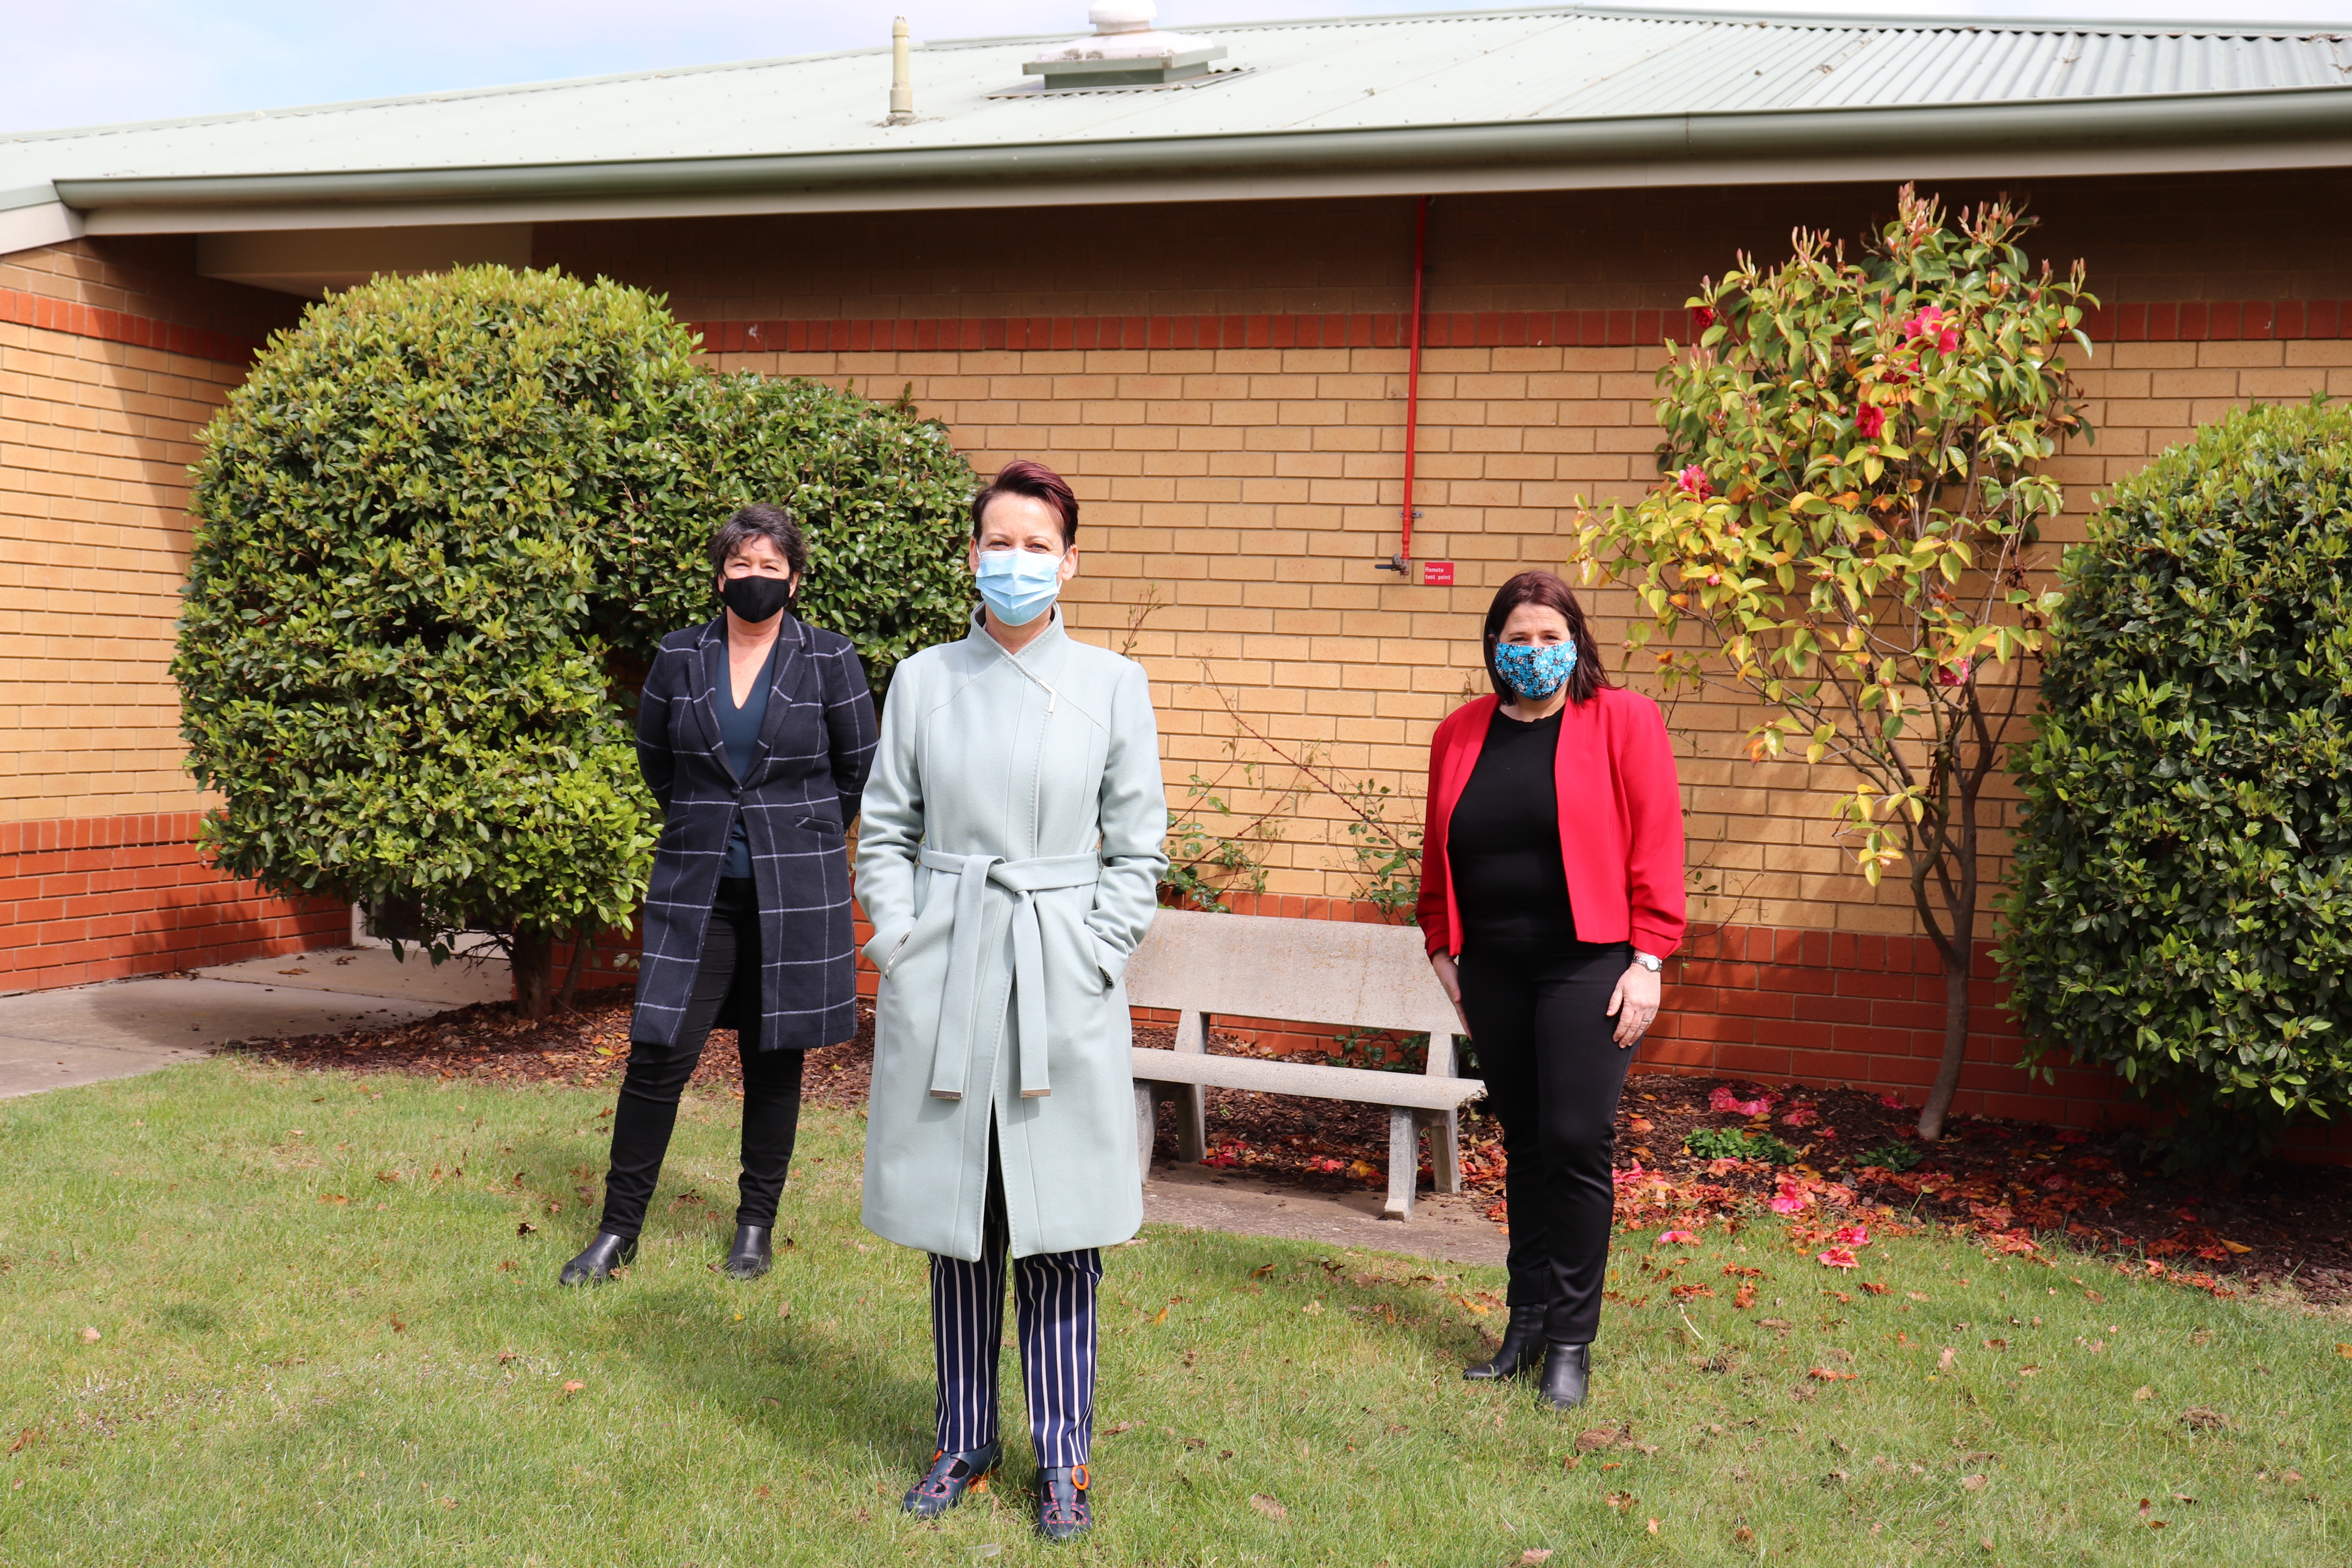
<point>1543,588</point>
<point>759,520</point>
<point>1022,477</point>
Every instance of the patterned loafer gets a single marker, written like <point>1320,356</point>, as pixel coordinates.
<point>1062,1511</point>
<point>950,1477</point>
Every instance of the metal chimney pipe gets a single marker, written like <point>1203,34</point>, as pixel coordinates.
<point>902,81</point>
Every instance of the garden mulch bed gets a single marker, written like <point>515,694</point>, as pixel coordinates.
<point>1849,1164</point>
<point>586,1045</point>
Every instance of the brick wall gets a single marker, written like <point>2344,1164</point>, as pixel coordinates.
<point>113,355</point>
<point>103,898</point>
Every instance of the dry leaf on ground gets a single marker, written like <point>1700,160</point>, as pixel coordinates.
<point>1268,1506</point>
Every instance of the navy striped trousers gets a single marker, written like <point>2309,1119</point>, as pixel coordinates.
<point>1054,1312</point>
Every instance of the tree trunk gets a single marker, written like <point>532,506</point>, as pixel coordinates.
<point>533,957</point>
<point>581,943</point>
<point>1956,1044</point>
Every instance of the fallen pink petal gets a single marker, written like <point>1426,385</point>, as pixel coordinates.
<point>1838,1257</point>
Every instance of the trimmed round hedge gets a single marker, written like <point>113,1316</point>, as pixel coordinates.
<point>2181,907</point>
<point>441,529</point>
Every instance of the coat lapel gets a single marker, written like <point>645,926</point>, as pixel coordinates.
<point>713,664</point>
<point>792,672</point>
<point>1463,758</point>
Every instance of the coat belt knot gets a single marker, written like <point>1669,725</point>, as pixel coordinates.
<point>951,1055</point>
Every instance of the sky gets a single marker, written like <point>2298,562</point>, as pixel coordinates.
<point>94,62</point>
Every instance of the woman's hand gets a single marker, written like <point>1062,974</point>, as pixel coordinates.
<point>1450,978</point>
<point>1633,1004</point>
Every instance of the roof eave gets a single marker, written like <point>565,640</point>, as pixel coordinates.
<point>2291,128</point>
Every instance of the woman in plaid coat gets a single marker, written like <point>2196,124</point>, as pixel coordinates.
<point>755,733</point>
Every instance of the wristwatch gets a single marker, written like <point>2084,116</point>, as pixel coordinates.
<point>1647,962</point>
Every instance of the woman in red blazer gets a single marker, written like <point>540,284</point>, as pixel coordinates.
<point>1551,890</point>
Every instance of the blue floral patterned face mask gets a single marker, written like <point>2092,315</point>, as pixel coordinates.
<point>1535,669</point>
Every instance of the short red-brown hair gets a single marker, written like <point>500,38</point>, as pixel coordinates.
<point>1023,476</point>
<point>1543,588</point>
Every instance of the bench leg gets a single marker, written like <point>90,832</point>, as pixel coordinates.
<point>1147,1127</point>
<point>1445,1150</point>
<point>1404,1162</point>
<point>1192,1121</point>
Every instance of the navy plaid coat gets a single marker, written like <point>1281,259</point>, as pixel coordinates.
<point>815,747</point>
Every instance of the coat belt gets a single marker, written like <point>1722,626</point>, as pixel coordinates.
<point>951,1056</point>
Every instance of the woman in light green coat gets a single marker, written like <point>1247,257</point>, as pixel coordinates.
<point>1008,857</point>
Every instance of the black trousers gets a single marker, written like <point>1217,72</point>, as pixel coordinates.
<point>1553,1077</point>
<point>648,1112</point>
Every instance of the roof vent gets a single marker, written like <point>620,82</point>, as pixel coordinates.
<point>1126,50</point>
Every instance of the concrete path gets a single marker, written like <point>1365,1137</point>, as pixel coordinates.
<point>1200,1198</point>
<point>52,1039</point>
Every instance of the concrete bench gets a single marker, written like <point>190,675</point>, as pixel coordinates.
<point>1307,972</point>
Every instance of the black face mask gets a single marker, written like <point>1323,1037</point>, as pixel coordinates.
<point>756,598</point>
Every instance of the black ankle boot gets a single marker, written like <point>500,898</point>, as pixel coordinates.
<point>1523,1347</point>
<point>1567,1372</point>
<point>604,1255</point>
<point>753,1254</point>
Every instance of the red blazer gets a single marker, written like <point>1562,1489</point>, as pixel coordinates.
<point>1620,820</point>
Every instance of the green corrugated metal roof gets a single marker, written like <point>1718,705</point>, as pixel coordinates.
<point>1570,69</point>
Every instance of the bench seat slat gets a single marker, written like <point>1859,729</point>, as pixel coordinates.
<point>1415,1091</point>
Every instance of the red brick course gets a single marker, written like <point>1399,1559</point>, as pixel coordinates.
<point>2195,320</point>
<point>104,898</point>
<point>79,321</point>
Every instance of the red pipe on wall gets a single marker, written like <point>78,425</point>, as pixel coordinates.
<point>1402,563</point>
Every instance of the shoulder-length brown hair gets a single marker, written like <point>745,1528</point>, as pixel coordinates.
<point>1543,588</point>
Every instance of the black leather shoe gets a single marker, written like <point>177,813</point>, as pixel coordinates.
<point>1062,1511</point>
<point>1522,1350</point>
<point>604,1255</point>
<point>1568,1373</point>
<point>950,1477</point>
<point>753,1254</point>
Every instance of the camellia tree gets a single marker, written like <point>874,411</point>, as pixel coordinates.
<point>1853,453</point>
<point>440,531</point>
<point>2181,905</point>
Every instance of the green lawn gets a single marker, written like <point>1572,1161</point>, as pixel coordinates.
<point>318,1342</point>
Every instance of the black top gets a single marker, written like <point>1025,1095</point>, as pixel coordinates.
<point>739,732</point>
<point>1503,843</point>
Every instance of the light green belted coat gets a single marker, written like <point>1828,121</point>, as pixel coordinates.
<point>1009,848</point>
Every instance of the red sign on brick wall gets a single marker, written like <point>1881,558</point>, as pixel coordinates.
<point>1437,573</point>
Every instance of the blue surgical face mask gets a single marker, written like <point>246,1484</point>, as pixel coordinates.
<point>1535,669</point>
<point>1019,585</point>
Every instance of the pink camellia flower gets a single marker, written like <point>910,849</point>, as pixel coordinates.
<point>1704,315</point>
<point>1869,420</point>
<point>1692,482</point>
<point>1852,1235</point>
<point>1892,1101</point>
<point>1932,322</point>
<point>1679,1237</point>
<point>1802,1116</point>
<point>1838,1257</point>
<point>1790,1202</point>
<point>1954,674</point>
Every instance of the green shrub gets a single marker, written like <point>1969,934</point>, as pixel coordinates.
<point>1891,1157</point>
<point>1736,1143</point>
<point>441,529</point>
<point>2179,909</point>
